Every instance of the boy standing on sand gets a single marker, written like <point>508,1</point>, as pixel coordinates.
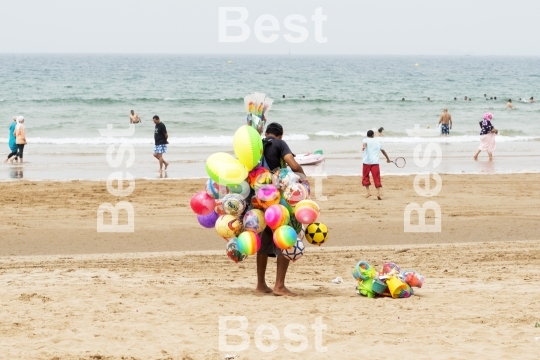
<point>371,148</point>
<point>160,139</point>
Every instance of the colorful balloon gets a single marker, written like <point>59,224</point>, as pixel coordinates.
<point>248,243</point>
<point>306,211</point>
<point>228,226</point>
<point>216,190</point>
<point>225,170</point>
<point>248,146</point>
<point>284,237</point>
<point>316,233</point>
<point>254,221</point>
<point>202,204</point>
<point>276,216</point>
<point>208,221</point>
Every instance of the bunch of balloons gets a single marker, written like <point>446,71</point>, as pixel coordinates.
<point>242,198</point>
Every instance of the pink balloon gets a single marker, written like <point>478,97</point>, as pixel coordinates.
<point>202,204</point>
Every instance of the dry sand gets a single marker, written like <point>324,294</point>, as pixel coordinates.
<point>67,295</point>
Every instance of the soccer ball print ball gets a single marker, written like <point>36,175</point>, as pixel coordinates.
<point>294,252</point>
<point>316,233</point>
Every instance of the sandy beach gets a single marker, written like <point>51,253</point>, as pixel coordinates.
<point>69,292</point>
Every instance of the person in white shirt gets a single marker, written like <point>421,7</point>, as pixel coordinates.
<point>371,148</point>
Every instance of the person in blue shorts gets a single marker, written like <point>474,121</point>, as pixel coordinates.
<point>446,123</point>
<point>160,142</point>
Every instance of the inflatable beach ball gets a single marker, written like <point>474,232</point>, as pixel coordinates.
<point>248,243</point>
<point>284,237</point>
<point>254,221</point>
<point>306,211</point>
<point>295,252</point>
<point>241,189</point>
<point>267,196</point>
<point>276,216</point>
<point>227,226</point>
<point>248,146</point>
<point>232,251</point>
<point>216,190</point>
<point>202,204</point>
<point>233,204</point>
<point>225,170</point>
<point>258,177</point>
<point>316,233</point>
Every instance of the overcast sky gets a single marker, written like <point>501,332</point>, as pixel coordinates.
<point>400,27</point>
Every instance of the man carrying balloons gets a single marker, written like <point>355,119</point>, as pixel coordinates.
<point>276,154</point>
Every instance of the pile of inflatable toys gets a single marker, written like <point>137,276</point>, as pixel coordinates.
<point>242,197</point>
<point>390,282</point>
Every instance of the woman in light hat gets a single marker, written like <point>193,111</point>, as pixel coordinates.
<point>20,135</point>
<point>12,141</point>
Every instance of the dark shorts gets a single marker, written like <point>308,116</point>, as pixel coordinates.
<point>445,129</point>
<point>267,244</point>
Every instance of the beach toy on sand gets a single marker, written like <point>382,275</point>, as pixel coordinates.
<point>413,278</point>
<point>276,216</point>
<point>390,267</point>
<point>396,286</point>
<point>268,195</point>
<point>259,177</point>
<point>363,271</point>
<point>294,252</point>
<point>365,287</point>
<point>232,251</point>
<point>284,237</point>
<point>242,189</point>
<point>202,204</point>
<point>306,211</point>
<point>254,221</point>
<point>248,146</point>
<point>233,204</point>
<point>316,233</point>
<point>216,190</point>
<point>228,226</point>
<point>379,286</point>
<point>208,221</point>
<point>248,243</point>
<point>225,170</point>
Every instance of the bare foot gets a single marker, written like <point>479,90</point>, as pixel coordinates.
<point>166,164</point>
<point>263,290</point>
<point>368,195</point>
<point>283,291</point>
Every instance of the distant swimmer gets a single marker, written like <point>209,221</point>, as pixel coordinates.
<point>284,96</point>
<point>303,96</point>
<point>491,98</point>
<point>469,99</point>
<point>446,123</point>
<point>494,98</point>
<point>428,99</point>
<point>403,99</point>
<point>379,131</point>
<point>455,99</point>
<point>465,98</point>
<point>509,104</point>
<point>134,118</point>
<point>485,95</point>
<point>531,100</point>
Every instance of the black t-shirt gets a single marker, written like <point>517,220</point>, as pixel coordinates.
<point>275,150</point>
<point>159,134</point>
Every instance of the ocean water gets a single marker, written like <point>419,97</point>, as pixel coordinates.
<point>330,102</point>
